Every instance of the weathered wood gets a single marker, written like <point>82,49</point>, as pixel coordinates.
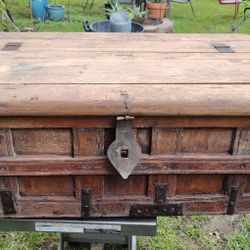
<point>176,164</point>
<point>42,141</point>
<point>58,116</point>
<point>242,141</point>
<point>6,143</point>
<point>77,100</point>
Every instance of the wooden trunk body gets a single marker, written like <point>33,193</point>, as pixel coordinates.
<point>193,128</point>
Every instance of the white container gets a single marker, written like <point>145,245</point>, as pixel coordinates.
<point>120,22</point>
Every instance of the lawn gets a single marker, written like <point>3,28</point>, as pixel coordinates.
<point>211,17</point>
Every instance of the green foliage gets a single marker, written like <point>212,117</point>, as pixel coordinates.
<point>211,17</point>
<point>115,7</point>
<point>240,240</point>
<point>28,241</point>
<point>136,12</point>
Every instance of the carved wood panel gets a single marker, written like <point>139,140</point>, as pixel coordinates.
<point>47,165</point>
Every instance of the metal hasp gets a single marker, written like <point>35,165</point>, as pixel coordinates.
<point>124,153</point>
<point>160,208</point>
<point>233,198</point>
<point>86,198</point>
<point>8,203</point>
<point>223,48</point>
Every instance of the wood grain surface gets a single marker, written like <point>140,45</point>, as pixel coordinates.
<point>139,74</point>
<point>60,95</point>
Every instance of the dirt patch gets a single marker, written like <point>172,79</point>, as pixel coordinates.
<point>221,227</point>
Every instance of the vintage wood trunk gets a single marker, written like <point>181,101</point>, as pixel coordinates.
<point>101,125</point>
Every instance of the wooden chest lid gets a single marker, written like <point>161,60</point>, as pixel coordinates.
<point>120,74</point>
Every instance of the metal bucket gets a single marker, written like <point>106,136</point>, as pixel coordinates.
<point>104,26</point>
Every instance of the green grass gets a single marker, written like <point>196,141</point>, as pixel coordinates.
<point>241,239</point>
<point>211,17</point>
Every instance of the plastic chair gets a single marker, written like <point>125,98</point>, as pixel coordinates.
<point>183,2</point>
<point>236,4</point>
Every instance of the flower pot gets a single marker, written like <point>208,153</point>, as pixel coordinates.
<point>156,10</point>
<point>120,22</point>
<point>56,12</point>
<point>38,8</point>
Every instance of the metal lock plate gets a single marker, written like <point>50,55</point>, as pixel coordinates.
<point>124,153</point>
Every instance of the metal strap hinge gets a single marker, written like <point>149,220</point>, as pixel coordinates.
<point>86,198</point>
<point>8,202</point>
<point>11,46</point>
<point>160,208</point>
<point>223,48</point>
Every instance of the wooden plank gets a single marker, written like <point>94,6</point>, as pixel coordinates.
<point>201,184</point>
<point>6,143</point>
<point>176,164</point>
<point>82,71</point>
<point>144,138</point>
<point>108,123</point>
<point>42,141</point>
<point>173,99</point>
<point>120,188</point>
<point>112,41</point>
<point>191,140</point>
<point>46,186</point>
<point>247,189</point>
<point>242,141</point>
<point>90,142</point>
<point>124,55</point>
<point>215,205</point>
<point>121,36</point>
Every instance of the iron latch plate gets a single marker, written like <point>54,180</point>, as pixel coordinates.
<point>156,210</point>
<point>124,152</point>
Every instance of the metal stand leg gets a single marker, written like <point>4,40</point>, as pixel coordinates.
<point>96,232</point>
<point>192,8</point>
<point>132,242</point>
<point>61,243</point>
<point>169,9</point>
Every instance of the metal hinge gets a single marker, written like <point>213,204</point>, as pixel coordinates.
<point>161,193</point>
<point>124,152</point>
<point>234,187</point>
<point>159,208</point>
<point>233,198</point>
<point>223,48</point>
<point>156,210</point>
<point>86,198</point>
<point>8,202</point>
<point>11,46</point>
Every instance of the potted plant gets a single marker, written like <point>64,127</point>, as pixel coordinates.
<point>113,6</point>
<point>156,9</point>
<point>56,12</point>
<point>136,14</point>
